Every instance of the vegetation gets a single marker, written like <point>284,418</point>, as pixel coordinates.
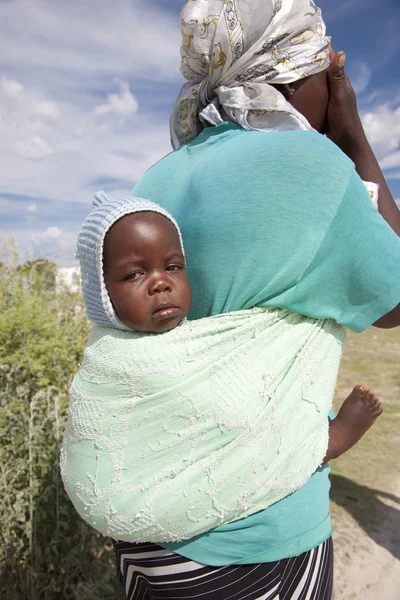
<point>46,550</point>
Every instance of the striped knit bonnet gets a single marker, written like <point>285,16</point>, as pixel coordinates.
<point>106,211</point>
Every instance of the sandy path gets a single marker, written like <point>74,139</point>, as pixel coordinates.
<point>367,565</point>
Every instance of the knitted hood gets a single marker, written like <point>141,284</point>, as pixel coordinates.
<point>106,211</point>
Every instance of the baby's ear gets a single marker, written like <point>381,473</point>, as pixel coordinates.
<point>99,198</point>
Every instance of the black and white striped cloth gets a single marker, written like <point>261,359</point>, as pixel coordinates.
<point>149,572</point>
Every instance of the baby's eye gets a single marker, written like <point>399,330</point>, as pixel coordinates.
<point>175,267</point>
<point>132,276</point>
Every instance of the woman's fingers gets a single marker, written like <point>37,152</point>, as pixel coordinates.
<point>337,74</point>
<point>332,53</point>
<point>342,116</point>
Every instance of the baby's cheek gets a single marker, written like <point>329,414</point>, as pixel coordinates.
<point>123,305</point>
<point>140,311</point>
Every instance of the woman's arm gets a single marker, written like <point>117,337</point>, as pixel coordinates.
<point>390,320</point>
<point>346,131</point>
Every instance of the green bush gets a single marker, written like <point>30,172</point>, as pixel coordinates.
<point>46,550</point>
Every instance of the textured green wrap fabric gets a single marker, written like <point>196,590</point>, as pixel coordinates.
<point>171,435</point>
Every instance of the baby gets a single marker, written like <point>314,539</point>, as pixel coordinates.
<point>135,284</point>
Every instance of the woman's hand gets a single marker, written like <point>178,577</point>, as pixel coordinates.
<point>344,124</point>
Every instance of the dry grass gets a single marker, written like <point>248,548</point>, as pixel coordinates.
<point>366,481</point>
<point>373,358</point>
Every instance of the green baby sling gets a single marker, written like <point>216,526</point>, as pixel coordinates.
<point>171,435</point>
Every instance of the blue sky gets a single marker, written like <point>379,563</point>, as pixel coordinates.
<point>85,94</point>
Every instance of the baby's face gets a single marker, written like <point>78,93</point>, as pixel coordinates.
<point>144,272</point>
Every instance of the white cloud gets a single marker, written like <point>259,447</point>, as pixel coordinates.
<point>122,105</point>
<point>68,101</point>
<point>373,96</point>
<point>9,88</point>
<point>63,158</point>
<point>52,243</point>
<point>82,42</point>
<point>382,126</point>
<point>51,233</point>
<point>21,108</point>
<point>391,161</point>
<point>360,75</point>
<point>34,148</point>
<point>46,110</point>
<point>22,209</point>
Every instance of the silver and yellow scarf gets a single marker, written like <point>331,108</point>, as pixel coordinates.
<point>232,50</point>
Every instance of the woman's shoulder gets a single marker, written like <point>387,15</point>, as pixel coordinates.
<point>303,147</point>
<point>305,161</point>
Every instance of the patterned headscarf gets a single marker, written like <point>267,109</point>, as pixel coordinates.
<point>232,50</point>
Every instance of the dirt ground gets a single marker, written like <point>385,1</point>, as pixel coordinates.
<point>367,563</point>
<point>366,481</point>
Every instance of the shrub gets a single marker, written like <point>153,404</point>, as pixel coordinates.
<point>46,550</point>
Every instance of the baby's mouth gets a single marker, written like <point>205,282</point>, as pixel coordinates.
<point>166,311</point>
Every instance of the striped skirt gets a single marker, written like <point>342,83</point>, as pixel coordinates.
<point>149,572</point>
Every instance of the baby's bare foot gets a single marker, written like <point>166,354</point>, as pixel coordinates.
<point>358,413</point>
<point>360,409</point>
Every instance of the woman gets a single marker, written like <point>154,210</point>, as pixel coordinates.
<point>272,214</point>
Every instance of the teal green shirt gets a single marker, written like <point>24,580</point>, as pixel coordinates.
<point>281,220</point>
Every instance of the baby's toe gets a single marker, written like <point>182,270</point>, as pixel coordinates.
<point>359,391</point>
<point>368,400</point>
<point>370,397</point>
<point>377,408</point>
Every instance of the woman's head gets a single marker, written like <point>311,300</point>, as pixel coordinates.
<point>133,266</point>
<point>310,97</point>
<point>237,56</point>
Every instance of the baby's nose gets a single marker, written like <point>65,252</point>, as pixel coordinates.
<point>160,285</point>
